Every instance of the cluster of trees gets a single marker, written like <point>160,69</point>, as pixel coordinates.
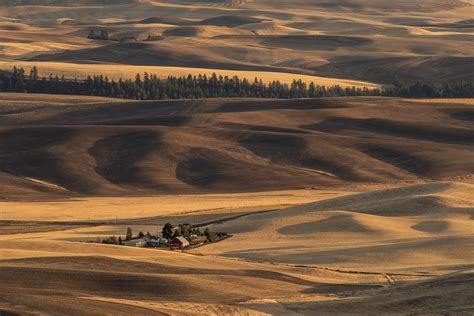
<point>104,35</point>
<point>152,38</point>
<point>129,235</point>
<point>214,236</point>
<point>457,89</point>
<point>99,35</point>
<point>186,230</point>
<point>150,87</point>
<point>113,240</point>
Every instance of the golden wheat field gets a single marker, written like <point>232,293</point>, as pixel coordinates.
<point>81,71</point>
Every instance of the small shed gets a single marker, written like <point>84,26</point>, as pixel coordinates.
<point>153,243</point>
<point>179,242</point>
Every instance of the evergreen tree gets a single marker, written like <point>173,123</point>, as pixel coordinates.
<point>129,235</point>
<point>193,87</point>
<point>167,231</point>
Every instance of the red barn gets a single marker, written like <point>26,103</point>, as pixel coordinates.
<point>179,242</point>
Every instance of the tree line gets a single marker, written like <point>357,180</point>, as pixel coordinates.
<point>151,87</point>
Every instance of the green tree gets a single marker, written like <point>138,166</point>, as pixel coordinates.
<point>104,35</point>
<point>167,231</point>
<point>185,229</point>
<point>129,235</point>
<point>177,233</point>
<point>34,75</point>
<point>210,236</point>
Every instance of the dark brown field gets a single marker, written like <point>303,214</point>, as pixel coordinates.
<point>111,147</point>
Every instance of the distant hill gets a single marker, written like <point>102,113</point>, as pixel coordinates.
<point>377,41</point>
<point>67,2</point>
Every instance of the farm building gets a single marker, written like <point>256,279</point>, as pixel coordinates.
<point>152,243</point>
<point>179,242</point>
<point>135,243</point>
<point>156,243</point>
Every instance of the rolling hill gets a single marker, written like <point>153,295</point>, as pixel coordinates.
<point>357,40</point>
<point>113,147</point>
<point>410,228</point>
<point>349,205</point>
<point>408,248</point>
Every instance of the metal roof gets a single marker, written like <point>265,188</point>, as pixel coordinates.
<point>182,239</point>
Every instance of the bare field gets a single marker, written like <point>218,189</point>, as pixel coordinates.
<point>76,146</point>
